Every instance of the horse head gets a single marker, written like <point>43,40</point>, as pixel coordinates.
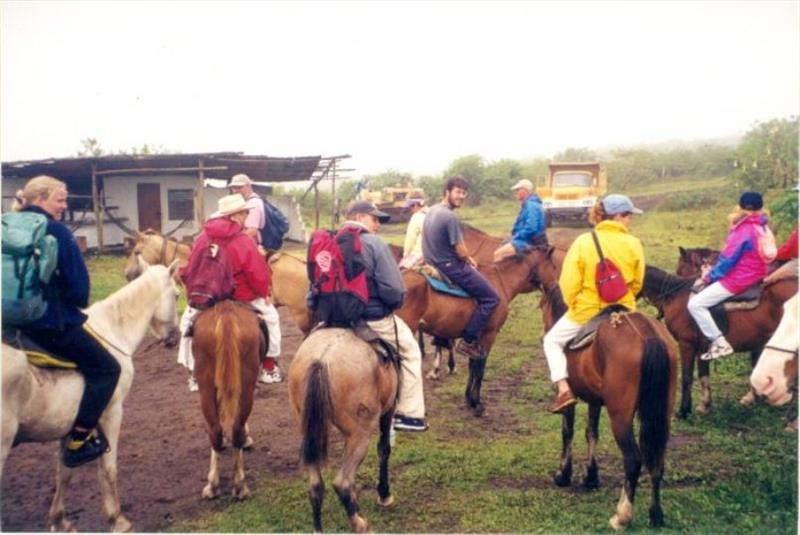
<point>164,322</point>
<point>140,248</point>
<point>775,374</point>
<point>692,261</point>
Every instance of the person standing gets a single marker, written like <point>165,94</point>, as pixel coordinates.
<point>256,220</point>
<point>443,246</point>
<point>412,246</point>
<point>529,227</point>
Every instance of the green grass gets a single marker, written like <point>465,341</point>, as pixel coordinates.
<point>733,470</point>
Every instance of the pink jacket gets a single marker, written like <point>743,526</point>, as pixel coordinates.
<point>739,265</point>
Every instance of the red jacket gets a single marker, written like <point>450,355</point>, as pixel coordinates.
<point>789,249</point>
<point>251,274</point>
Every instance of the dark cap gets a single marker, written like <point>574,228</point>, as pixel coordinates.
<point>364,207</point>
<point>751,200</point>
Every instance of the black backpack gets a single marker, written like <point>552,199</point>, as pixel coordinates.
<point>276,225</point>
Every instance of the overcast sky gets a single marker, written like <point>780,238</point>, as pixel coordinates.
<point>407,86</point>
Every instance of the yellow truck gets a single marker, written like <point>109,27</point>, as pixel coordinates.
<point>570,191</point>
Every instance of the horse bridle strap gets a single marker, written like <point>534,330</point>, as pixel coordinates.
<point>103,340</point>
<point>782,350</point>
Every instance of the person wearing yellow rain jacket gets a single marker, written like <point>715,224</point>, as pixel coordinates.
<point>611,218</point>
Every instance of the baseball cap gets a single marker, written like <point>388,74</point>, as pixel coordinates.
<point>523,184</point>
<point>240,180</point>
<point>619,204</point>
<point>364,207</point>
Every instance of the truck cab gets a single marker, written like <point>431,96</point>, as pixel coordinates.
<point>570,191</point>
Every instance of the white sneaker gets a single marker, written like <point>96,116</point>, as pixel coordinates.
<point>719,348</point>
<point>193,387</point>
<point>270,377</point>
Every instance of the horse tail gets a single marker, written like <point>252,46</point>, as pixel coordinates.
<point>228,369</point>
<point>316,414</point>
<point>654,401</point>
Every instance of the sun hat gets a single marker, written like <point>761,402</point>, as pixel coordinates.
<point>523,184</point>
<point>751,200</point>
<point>240,180</point>
<point>619,204</point>
<point>229,205</point>
<point>364,207</point>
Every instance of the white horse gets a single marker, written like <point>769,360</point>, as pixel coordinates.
<point>776,371</point>
<point>40,405</point>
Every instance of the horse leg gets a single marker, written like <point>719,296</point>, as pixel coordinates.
<point>211,490</point>
<point>316,493</point>
<point>437,362</point>
<point>385,497</point>
<point>563,478</point>
<point>591,480</point>
<point>622,427</point>
<point>656,513</point>
<point>687,376</point>
<point>9,431</point>
<point>240,488</point>
<point>704,371</point>
<point>474,395</point>
<point>451,360</point>
<point>750,398</point>
<point>57,516</point>
<point>107,471</point>
<point>208,405</point>
<point>355,450</point>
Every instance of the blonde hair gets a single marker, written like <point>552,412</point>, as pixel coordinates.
<point>40,187</point>
<point>740,213</point>
<point>598,213</point>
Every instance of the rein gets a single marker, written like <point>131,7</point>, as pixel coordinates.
<point>103,340</point>
<point>782,350</point>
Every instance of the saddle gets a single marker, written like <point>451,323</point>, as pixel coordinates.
<point>747,300</point>
<point>37,355</point>
<point>386,352</point>
<point>439,283</point>
<point>587,333</point>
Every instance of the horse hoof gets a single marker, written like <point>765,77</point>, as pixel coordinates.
<point>360,525</point>
<point>248,443</point>
<point>591,483</point>
<point>121,525</point>
<point>241,493</point>
<point>656,517</point>
<point>616,524</point>
<point>433,376</point>
<point>562,480</point>
<point>386,502</point>
<point>210,492</point>
<point>791,427</point>
<point>62,526</point>
<point>702,408</point>
<point>479,410</point>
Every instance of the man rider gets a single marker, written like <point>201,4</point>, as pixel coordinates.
<point>529,228</point>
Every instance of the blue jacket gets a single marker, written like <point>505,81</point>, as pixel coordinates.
<point>68,290</point>
<point>529,224</point>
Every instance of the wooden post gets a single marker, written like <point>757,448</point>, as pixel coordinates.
<point>199,197</point>
<point>98,212</point>
<point>316,206</point>
<point>333,197</point>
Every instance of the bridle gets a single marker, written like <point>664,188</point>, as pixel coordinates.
<point>782,350</point>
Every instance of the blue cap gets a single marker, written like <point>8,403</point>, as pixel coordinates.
<point>751,200</point>
<point>619,204</point>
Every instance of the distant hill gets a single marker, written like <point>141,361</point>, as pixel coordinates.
<point>675,144</point>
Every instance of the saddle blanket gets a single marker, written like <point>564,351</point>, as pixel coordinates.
<point>445,288</point>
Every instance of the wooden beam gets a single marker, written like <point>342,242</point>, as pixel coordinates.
<point>160,170</point>
<point>98,213</point>
<point>200,196</point>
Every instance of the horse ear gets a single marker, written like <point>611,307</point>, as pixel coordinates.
<point>143,264</point>
<point>682,251</point>
<point>173,267</point>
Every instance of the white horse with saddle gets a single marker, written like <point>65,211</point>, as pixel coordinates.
<point>40,405</point>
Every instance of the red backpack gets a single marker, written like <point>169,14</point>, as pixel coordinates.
<point>337,272</point>
<point>208,276</point>
<point>608,279</point>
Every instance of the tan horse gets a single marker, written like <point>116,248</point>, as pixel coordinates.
<point>337,379</point>
<point>226,345</point>
<point>155,249</point>
<point>290,287</point>
<point>40,405</point>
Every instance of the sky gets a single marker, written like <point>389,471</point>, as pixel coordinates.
<point>408,86</point>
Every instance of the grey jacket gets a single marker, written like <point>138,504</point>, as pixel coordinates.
<point>386,288</point>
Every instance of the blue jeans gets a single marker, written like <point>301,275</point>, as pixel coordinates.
<point>476,285</point>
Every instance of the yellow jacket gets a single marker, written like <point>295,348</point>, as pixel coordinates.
<point>413,241</point>
<point>577,281</point>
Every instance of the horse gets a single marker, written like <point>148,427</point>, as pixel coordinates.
<point>775,375</point>
<point>40,405</point>
<point>155,249</point>
<point>446,316</point>
<point>226,345</point>
<point>337,379</point>
<point>691,261</point>
<point>749,329</point>
<point>630,367</point>
<point>290,287</point>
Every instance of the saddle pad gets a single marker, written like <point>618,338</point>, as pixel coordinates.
<point>586,335</point>
<point>37,355</point>
<point>443,287</point>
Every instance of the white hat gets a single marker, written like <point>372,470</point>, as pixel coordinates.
<point>240,180</point>
<point>523,184</point>
<point>229,205</point>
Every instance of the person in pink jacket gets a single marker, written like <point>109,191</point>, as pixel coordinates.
<point>738,267</point>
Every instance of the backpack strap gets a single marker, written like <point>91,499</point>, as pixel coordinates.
<point>597,246</point>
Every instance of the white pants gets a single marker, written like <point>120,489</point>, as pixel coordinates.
<point>700,303</point>
<point>555,340</point>
<point>266,311</point>
<point>412,400</point>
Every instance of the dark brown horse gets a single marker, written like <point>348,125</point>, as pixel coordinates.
<point>691,261</point>
<point>446,316</point>
<point>337,379</point>
<point>630,367</point>
<point>748,330</point>
<point>227,344</point>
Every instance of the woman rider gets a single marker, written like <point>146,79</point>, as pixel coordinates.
<point>61,331</point>
<point>611,218</point>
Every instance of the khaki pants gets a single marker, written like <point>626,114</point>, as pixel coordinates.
<point>412,400</point>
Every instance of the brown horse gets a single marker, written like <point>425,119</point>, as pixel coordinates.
<point>446,316</point>
<point>630,367</point>
<point>748,330</point>
<point>155,249</point>
<point>337,379</point>
<point>227,344</point>
<point>691,261</point>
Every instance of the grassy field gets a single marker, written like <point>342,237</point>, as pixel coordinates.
<point>732,471</point>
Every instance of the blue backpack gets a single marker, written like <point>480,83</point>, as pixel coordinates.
<point>275,227</point>
<point>29,258</point>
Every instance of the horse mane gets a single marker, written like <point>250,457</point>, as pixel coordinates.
<point>125,305</point>
<point>553,297</point>
<point>662,283</point>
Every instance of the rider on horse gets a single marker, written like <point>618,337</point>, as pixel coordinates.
<point>443,247</point>
<point>412,245</point>
<point>530,225</point>
<point>61,330</point>
<point>611,218</point>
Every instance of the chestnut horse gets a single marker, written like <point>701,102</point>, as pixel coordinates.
<point>691,261</point>
<point>630,367</point>
<point>337,379</point>
<point>227,344</point>
<point>749,329</point>
<point>446,315</point>
<point>155,249</point>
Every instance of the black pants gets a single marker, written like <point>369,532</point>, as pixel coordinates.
<point>99,368</point>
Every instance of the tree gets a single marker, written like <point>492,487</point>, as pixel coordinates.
<point>767,156</point>
<point>574,154</point>
<point>390,178</point>
<point>91,147</point>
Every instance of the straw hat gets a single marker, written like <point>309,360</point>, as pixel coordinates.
<point>229,205</point>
